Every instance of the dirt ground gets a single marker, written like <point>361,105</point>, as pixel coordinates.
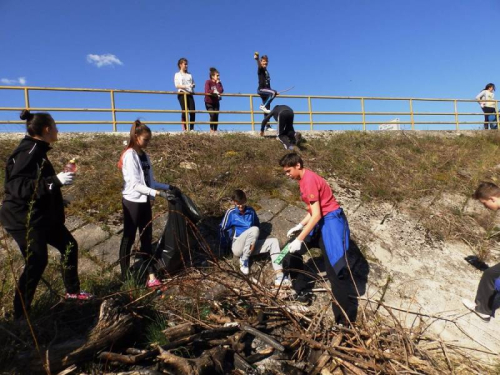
<point>427,276</point>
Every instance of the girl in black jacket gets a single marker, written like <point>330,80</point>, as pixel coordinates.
<point>33,212</point>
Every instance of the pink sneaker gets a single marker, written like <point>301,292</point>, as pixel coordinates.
<point>82,295</point>
<point>155,283</point>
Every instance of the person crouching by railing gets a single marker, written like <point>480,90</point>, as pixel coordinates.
<point>139,189</point>
<point>283,114</point>
<point>488,106</point>
<point>213,89</point>
<point>184,83</point>
<point>33,211</point>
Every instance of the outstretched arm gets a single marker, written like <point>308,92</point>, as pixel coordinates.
<point>256,57</point>
<point>267,118</point>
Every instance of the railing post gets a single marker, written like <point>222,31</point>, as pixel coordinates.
<point>113,111</point>
<point>457,127</point>
<point>187,124</point>
<point>496,110</point>
<point>310,113</point>
<point>26,98</point>
<point>363,113</point>
<point>251,113</point>
<point>412,119</point>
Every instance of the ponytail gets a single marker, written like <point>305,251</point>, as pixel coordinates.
<point>137,129</point>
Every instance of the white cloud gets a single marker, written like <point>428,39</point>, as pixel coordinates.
<point>103,60</point>
<point>8,81</point>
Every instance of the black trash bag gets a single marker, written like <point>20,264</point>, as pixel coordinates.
<point>191,210</point>
<point>178,242</point>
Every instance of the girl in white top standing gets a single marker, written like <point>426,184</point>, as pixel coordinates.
<point>184,83</point>
<point>139,189</point>
<point>488,106</point>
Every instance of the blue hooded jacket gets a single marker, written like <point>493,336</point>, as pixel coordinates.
<point>235,223</point>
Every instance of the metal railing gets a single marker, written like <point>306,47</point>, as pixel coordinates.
<point>311,115</point>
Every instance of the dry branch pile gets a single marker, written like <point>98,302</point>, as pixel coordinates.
<point>221,322</point>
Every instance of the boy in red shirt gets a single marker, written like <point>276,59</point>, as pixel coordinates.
<point>489,195</point>
<point>326,219</point>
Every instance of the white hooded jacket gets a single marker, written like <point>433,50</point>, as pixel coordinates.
<point>134,186</point>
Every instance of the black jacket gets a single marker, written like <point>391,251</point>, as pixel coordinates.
<point>285,122</point>
<point>275,112</point>
<point>30,178</point>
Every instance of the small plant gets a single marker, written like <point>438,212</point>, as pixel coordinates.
<point>133,287</point>
<point>154,330</point>
<point>205,312</point>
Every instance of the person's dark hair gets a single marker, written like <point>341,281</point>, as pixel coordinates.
<point>213,72</point>
<point>486,190</point>
<point>291,160</point>
<point>490,85</point>
<point>36,122</point>
<point>136,130</point>
<point>264,57</point>
<point>181,60</point>
<point>239,196</point>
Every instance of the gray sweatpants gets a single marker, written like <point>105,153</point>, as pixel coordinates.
<point>242,246</point>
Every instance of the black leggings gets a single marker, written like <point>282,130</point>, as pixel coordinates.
<point>214,117</point>
<point>487,112</point>
<point>35,253</point>
<point>136,216</point>
<point>191,107</point>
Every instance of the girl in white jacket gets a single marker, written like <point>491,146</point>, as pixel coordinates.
<point>139,189</point>
<point>488,105</point>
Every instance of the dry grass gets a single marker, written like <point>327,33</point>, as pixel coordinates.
<point>402,168</point>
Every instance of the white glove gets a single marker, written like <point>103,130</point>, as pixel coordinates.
<point>296,228</point>
<point>295,246</point>
<point>66,178</point>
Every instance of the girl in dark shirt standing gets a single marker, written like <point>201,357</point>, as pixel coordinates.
<point>33,211</point>
<point>213,89</point>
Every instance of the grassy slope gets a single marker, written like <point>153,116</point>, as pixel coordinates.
<point>402,168</point>
<point>384,166</point>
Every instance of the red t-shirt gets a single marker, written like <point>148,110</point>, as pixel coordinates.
<point>314,188</point>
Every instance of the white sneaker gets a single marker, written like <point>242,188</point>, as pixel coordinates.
<point>282,281</point>
<point>472,307</point>
<point>244,268</point>
<point>264,109</point>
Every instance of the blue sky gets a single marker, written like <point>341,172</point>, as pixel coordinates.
<point>415,48</point>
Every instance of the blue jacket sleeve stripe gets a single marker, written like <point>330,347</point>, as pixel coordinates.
<point>226,222</point>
